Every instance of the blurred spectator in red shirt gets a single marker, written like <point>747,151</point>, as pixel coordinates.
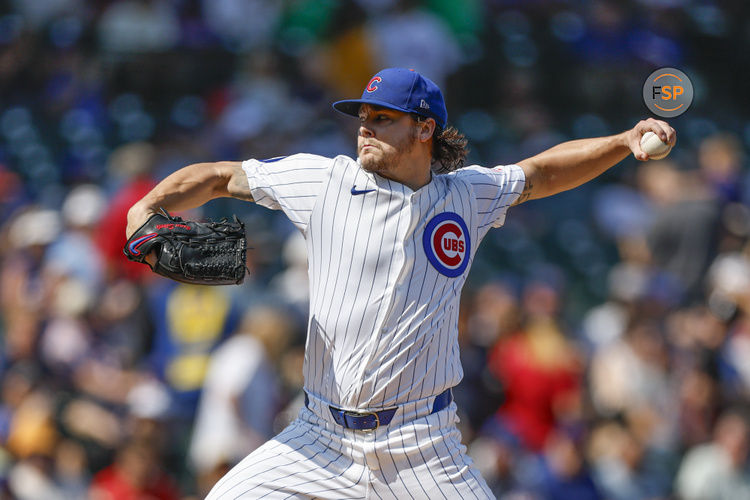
<point>540,372</point>
<point>134,475</point>
<point>131,164</point>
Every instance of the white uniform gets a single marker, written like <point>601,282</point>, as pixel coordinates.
<point>386,267</point>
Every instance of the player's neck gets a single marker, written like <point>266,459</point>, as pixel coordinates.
<point>414,171</point>
<point>418,181</point>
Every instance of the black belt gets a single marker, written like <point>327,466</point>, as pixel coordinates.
<point>367,421</point>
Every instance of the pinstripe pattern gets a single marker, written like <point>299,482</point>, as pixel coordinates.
<point>383,319</point>
<point>382,331</point>
<point>311,459</point>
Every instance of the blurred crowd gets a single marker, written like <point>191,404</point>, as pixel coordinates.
<point>605,331</point>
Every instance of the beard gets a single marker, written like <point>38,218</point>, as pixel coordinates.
<point>383,161</point>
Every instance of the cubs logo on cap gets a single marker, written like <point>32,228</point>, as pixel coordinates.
<point>403,90</point>
<point>447,244</point>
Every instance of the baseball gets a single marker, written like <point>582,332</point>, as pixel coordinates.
<point>654,147</point>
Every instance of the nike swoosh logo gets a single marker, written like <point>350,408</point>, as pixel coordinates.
<point>356,191</point>
<point>140,241</point>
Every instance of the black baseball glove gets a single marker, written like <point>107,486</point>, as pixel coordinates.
<point>203,253</point>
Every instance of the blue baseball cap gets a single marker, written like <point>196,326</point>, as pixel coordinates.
<point>403,90</point>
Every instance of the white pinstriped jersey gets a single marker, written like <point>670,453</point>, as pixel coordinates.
<point>386,267</point>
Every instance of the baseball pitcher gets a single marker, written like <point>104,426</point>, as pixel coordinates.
<point>390,237</point>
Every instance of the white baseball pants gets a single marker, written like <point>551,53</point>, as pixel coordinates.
<point>316,458</point>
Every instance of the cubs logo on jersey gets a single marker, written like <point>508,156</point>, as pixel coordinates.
<point>447,244</point>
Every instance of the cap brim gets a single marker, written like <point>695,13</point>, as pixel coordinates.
<point>351,106</point>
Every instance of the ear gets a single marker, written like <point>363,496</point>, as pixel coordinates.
<point>426,129</point>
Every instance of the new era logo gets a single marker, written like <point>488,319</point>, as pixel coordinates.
<point>424,104</point>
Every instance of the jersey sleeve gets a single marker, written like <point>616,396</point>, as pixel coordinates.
<point>289,183</point>
<point>495,190</point>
